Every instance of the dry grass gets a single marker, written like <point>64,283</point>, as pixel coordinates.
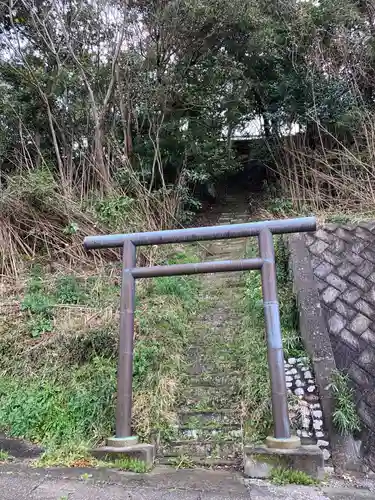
<point>331,177</point>
<point>38,218</point>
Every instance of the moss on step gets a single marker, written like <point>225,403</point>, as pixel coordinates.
<point>228,448</point>
<point>195,419</point>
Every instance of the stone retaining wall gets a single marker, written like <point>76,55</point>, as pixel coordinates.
<point>342,259</point>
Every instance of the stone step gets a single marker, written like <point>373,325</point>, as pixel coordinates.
<point>217,379</point>
<point>202,419</point>
<point>209,432</point>
<point>208,398</point>
<point>228,449</point>
<point>220,360</point>
<point>180,461</point>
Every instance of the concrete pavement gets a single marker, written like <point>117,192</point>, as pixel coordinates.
<point>19,482</point>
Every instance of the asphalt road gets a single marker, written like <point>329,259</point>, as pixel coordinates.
<point>18,482</point>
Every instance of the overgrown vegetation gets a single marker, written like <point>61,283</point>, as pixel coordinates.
<point>282,476</point>
<point>117,125</point>
<point>345,417</point>
<point>58,385</point>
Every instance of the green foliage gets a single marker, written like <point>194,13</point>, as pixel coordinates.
<point>114,211</point>
<point>252,361</point>
<point>57,411</point>
<point>175,285</point>
<point>38,325</point>
<point>338,219</point>
<point>344,417</point>
<point>39,306</point>
<point>72,454</point>
<point>146,358</point>
<point>71,228</point>
<point>4,456</point>
<point>37,303</point>
<point>129,464</point>
<point>77,454</point>
<point>292,342</point>
<point>85,476</point>
<point>65,392</point>
<point>70,290</point>
<point>280,207</point>
<point>281,477</point>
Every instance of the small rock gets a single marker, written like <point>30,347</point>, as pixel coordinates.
<point>299,391</point>
<point>311,398</point>
<point>289,384</point>
<point>304,369</point>
<point>297,376</point>
<point>311,388</point>
<point>317,406</point>
<point>318,424</point>
<point>305,434</point>
<point>305,413</point>
<point>193,434</point>
<point>299,432</point>
<point>317,413</point>
<point>299,383</point>
<point>287,365</point>
<point>289,378</point>
<point>290,391</point>
<point>311,381</point>
<point>307,374</point>
<point>322,442</point>
<point>292,361</point>
<point>293,371</point>
<point>326,454</point>
<point>319,434</point>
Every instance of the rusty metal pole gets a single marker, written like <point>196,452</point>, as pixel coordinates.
<point>125,361</point>
<point>274,340</point>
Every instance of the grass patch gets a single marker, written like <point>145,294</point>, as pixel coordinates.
<point>68,455</point>
<point>129,464</point>
<point>58,357</point>
<point>4,456</point>
<point>281,477</point>
<point>78,455</point>
<point>253,365</point>
<point>345,417</point>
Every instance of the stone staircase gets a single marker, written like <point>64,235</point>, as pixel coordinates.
<point>209,420</point>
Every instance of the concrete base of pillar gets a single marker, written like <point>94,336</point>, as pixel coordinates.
<point>260,460</point>
<point>116,442</point>
<point>283,443</point>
